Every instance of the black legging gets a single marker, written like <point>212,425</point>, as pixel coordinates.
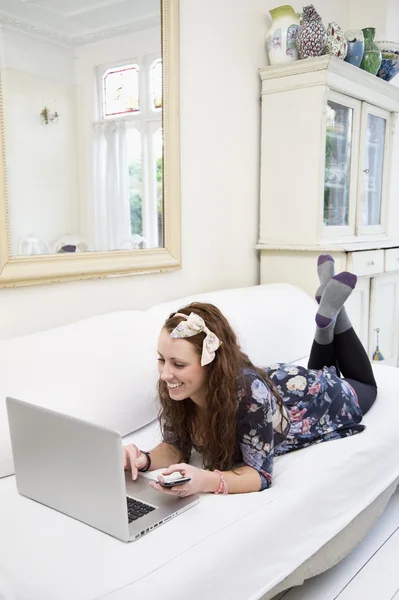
<point>347,355</point>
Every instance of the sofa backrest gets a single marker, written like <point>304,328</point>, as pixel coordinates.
<point>104,368</point>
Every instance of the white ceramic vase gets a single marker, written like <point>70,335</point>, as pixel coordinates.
<point>281,37</point>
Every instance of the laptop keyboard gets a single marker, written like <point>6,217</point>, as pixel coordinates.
<point>137,509</point>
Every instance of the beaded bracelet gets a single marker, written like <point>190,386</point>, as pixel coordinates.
<point>223,485</point>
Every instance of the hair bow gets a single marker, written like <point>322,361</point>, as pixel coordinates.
<point>192,325</point>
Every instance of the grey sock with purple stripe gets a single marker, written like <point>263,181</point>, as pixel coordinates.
<point>342,323</point>
<point>325,270</point>
<point>335,294</point>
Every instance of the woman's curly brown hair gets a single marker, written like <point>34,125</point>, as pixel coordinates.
<point>218,417</point>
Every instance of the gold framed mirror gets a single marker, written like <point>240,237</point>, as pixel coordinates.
<point>105,238</point>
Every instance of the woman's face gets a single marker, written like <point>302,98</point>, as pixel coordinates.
<point>179,367</point>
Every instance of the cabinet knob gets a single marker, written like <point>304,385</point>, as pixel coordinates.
<point>371,263</point>
<point>366,171</point>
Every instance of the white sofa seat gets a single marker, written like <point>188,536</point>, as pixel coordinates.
<point>236,546</point>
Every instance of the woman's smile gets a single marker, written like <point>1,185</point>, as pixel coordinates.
<point>173,386</point>
<point>179,366</point>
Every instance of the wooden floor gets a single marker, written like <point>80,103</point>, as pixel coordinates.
<point>370,572</point>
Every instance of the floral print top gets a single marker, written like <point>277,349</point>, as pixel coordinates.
<point>318,405</point>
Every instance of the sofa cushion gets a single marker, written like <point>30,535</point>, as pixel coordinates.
<point>102,369</point>
<point>273,322</point>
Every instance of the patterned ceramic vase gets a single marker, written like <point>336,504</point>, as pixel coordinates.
<point>312,35</point>
<point>336,43</point>
<point>389,66</point>
<point>355,39</point>
<point>372,57</point>
<point>281,38</point>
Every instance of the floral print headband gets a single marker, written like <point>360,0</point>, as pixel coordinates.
<point>192,325</point>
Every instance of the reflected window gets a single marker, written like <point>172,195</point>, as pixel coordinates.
<point>121,91</point>
<point>130,104</point>
<point>156,84</point>
<point>158,153</point>
<point>135,167</point>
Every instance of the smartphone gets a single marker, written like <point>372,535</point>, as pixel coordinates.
<point>171,483</point>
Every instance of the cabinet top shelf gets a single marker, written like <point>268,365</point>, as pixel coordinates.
<point>334,74</point>
<point>265,246</point>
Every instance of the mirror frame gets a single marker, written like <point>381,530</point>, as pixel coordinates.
<point>31,270</point>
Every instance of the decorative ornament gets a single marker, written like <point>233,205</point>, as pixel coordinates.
<point>312,37</point>
<point>355,39</point>
<point>281,37</point>
<point>372,57</point>
<point>377,354</point>
<point>49,117</point>
<point>336,42</point>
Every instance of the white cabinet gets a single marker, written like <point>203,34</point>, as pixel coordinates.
<point>368,262</point>
<point>358,307</point>
<point>326,159</point>
<point>374,304</point>
<point>384,316</point>
<point>326,153</point>
<point>392,259</point>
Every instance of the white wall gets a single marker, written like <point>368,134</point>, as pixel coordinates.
<point>369,14</point>
<point>383,15</point>
<point>41,159</point>
<point>42,162</point>
<point>24,52</point>
<point>221,49</point>
<point>392,26</point>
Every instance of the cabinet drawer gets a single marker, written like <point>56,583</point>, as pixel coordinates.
<point>392,259</point>
<point>369,262</point>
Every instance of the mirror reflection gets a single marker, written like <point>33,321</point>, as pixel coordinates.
<point>82,103</point>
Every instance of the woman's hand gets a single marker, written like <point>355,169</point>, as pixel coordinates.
<point>133,460</point>
<point>195,486</point>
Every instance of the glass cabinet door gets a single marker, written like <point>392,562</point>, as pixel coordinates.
<point>342,139</point>
<point>375,125</point>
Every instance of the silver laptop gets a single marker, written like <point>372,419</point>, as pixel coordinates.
<point>76,467</point>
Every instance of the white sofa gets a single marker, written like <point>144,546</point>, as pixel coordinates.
<point>322,502</point>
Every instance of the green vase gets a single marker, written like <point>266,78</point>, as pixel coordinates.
<point>372,57</point>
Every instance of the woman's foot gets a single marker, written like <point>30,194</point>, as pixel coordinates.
<point>325,271</point>
<point>335,294</point>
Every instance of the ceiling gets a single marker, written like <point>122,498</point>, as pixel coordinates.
<point>80,21</point>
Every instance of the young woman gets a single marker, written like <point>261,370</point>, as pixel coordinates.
<point>239,416</point>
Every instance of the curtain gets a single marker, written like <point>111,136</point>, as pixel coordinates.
<point>111,207</point>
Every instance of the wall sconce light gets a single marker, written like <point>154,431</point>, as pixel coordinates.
<point>49,117</point>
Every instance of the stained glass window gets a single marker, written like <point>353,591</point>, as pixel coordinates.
<point>156,84</point>
<point>121,90</point>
